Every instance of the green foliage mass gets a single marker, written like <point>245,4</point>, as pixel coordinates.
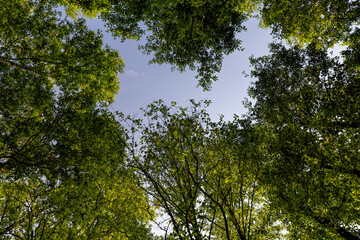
<point>322,21</point>
<point>203,175</point>
<point>63,173</point>
<point>186,34</point>
<point>91,206</point>
<point>69,169</point>
<point>309,103</point>
<point>36,40</point>
<point>197,34</point>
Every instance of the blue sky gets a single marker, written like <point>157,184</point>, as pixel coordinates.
<point>143,83</point>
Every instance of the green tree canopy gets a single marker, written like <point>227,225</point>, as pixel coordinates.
<point>203,175</point>
<point>327,22</point>
<point>37,43</point>
<point>102,202</point>
<point>62,163</point>
<point>53,74</point>
<point>294,163</point>
<point>309,103</point>
<point>197,34</point>
<point>186,34</point>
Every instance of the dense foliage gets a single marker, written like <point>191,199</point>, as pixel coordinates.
<point>324,22</point>
<point>203,175</point>
<point>194,34</point>
<point>59,148</point>
<point>309,103</point>
<point>289,169</point>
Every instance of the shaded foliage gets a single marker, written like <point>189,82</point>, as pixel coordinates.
<point>186,34</point>
<point>293,163</point>
<point>310,105</point>
<point>203,175</point>
<point>325,22</point>
<point>62,166</point>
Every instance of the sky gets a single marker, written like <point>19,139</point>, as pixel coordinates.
<point>142,83</point>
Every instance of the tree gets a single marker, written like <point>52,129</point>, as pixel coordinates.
<point>62,153</point>
<point>62,164</point>
<point>202,175</point>
<point>52,71</point>
<point>104,203</point>
<point>197,34</point>
<point>194,34</point>
<point>64,176</point>
<point>328,22</point>
<point>49,50</point>
<point>309,103</point>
